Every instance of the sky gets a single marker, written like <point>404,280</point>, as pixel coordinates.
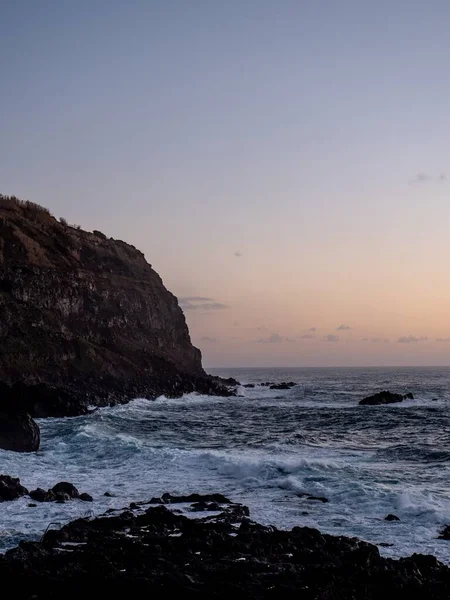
<point>284,165</point>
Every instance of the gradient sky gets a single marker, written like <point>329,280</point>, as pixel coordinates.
<point>284,165</point>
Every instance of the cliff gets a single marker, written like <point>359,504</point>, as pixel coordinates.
<point>85,320</point>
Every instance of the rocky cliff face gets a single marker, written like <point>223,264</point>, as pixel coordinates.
<point>84,319</point>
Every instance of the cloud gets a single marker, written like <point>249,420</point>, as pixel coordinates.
<point>343,328</point>
<point>410,339</point>
<point>200,303</point>
<point>206,338</point>
<point>307,336</point>
<point>273,339</point>
<point>447,339</point>
<point>421,177</point>
<point>331,338</point>
<point>238,254</point>
<point>426,177</point>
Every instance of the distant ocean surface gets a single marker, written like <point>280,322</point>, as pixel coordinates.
<point>263,449</point>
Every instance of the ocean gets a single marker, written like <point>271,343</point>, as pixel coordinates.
<point>269,449</point>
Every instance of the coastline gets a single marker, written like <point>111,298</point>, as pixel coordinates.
<point>149,548</point>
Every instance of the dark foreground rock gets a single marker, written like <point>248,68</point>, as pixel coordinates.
<point>284,385</point>
<point>18,431</point>
<point>11,488</point>
<point>157,553</point>
<point>61,492</point>
<point>385,397</point>
<point>85,320</point>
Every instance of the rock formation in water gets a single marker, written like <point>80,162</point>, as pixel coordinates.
<point>385,397</point>
<point>85,320</point>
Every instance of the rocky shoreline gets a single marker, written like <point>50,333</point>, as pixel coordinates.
<point>154,548</point>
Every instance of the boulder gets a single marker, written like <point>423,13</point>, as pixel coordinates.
<point>66,488</point>
<point>10,488</point>
<point>41,495</point>
<point>86,497</point>
<point>445,533</point>
<point>18,432</point>
<point>249,385</point>
<point>384,397</point>
<point>391,518</point>
<point>285,385</point>
<point>408,396</point>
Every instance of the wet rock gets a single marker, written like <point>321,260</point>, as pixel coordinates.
<point>86,497</point>
<point>408,396</point>
<point>384,397</point>
<point>66,488</point>
<point>41,495</point>
<point>159,554</point>
<point>285,385</point>
<point>32,505</point>
<point>11,488</point>
<point>18,431</point>
<point>108,495</point>
<point>249,385</point>
<point>205,506</point>
<point>445,533</point>
<point>310,497</point>
<point>62,497</point>
<point>169,499</point>
<point>391,517</point>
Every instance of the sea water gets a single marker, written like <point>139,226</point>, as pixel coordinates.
<point>269,449</point>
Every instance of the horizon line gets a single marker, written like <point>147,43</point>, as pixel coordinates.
<point>342,367</point>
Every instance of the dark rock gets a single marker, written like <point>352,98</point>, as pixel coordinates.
<point>86,497</point>
<point>18,431</point>
<point>32,505</point>
<point>108,495</point>
<point>10,488</point>
<point>61,497</point>
<point>66,488</point>
<point>167,498</point>
<point>249,385</point>
<point>408,396</point>
<point>445,533</point>
<point>318,498</point>
<point>381,398</point>
<point>41,495</point>
<point>285,385</point>
<point>205,506</point>
<point>159,554</point>
<point>87,317</point>
<point>391,518</point>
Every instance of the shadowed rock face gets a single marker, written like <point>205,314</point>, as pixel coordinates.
<point>19,432</point>
<point>84,319</point>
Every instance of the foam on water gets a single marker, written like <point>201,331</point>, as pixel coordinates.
<point>270,449</point>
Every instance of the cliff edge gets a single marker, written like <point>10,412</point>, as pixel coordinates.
<point>85,320</point>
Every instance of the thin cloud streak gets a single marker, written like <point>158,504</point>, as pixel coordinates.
<point>331,338</point>
<point>410,339</point>
<point>200,303</point>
